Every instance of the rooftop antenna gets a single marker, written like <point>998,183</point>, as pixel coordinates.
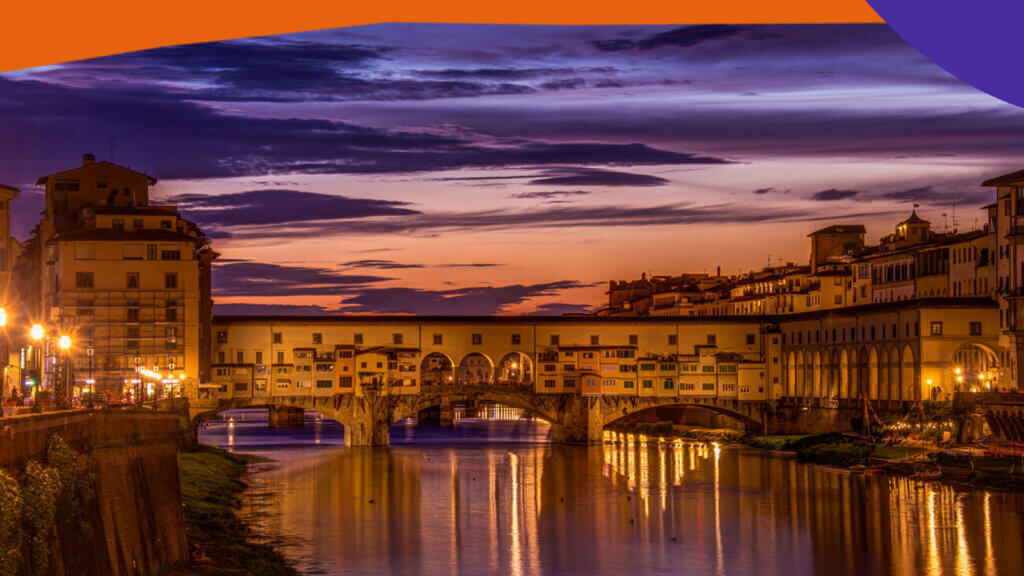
<point>945,222</point>
<point>111,150</point>
<point>956,223</point>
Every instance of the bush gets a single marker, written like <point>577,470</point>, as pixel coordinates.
<point>779,442</point>
<point>837,454</point>
<point>11,533</point>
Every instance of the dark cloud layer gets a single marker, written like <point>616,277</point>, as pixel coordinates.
<point>834,194</point>
<point>595,177</point>
<point>233,278</point>
<point>258,207</point>
<point>462,301</point>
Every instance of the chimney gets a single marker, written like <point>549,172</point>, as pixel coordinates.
<point>718,271</point>
<point>88,159</point>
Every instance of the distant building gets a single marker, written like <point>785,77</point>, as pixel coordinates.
<point>129,281</point>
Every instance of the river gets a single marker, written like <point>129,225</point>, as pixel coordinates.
<point>493,497</point>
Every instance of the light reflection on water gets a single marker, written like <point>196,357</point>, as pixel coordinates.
<point>631,506</point>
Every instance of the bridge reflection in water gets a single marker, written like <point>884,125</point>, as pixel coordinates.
<point>633,505</point>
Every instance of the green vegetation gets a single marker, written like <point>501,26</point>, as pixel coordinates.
<point>835,453</point>
<point>886,452</point>
<point>210,487</point>
<point>53,492</point>
<point>776,442</point>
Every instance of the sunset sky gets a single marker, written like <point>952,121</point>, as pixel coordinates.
<point>458,169</point>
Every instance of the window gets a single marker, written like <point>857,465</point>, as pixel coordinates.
<point>554,340</point>
<point>137,224</point>
<point>708,386</point>
<point>673,339</point>
<point>132,314</point>
<point>627,383</point>
<point>170,313</point>
<point>549,383</point>
<point>220,357</point>
<point>568,367</point>
<point>133,280</point>
<point>668,384</point>
<point>151,251</point>
<point>260,384</point>
<point>357,338</point>
<point>240,357</point>
<point>975,328</point>
<point>647,383</point>
<point>259,356</point>
<point>222,336</point>
<point>83,279</point>
<point>634,339</point>
<point>477,339</point>
<point>165,224</point>
<point>751,339</point>
<point>131,332</point>
<point>323,383</point>
<point>595,340</point>
<point>132,251</point>
<point>647,366</point>
<point>280,357</point>
<point>117,224</point>
<point>569,382</point>
<point>936,328</point>
<point>318,338</point>
<point>170,254</point>
<point>345,381</point>
<point>396,339</point>
<point>170,280</point>
<point>712,340</point>
<point>608,382</point>
<point>276,338</point>
<point>517,339</point>
<point>707,368</point>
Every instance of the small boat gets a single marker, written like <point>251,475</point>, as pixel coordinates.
<point>922,473</point>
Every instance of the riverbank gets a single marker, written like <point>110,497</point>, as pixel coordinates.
<point>218,539</point>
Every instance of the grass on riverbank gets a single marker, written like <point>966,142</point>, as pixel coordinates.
<point>210,487</point>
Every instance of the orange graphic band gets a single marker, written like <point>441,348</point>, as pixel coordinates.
<point>41,33</point>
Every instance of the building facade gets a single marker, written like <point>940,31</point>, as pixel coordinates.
<point>128,281</point>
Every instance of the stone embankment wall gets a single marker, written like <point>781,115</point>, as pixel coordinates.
<point>134,525</point>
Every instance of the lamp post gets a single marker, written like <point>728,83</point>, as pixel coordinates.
<point>65,348</point>
<point>37,332</point>
<point>4,351</point>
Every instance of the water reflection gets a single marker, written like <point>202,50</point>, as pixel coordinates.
<point>632,506</point>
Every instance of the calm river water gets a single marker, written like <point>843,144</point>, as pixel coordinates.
<point>492,497</point>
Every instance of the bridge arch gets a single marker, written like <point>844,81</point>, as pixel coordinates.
<point>437,369</point>
<point>539,407</point>
<point>749,416</point>
<point>475,368</point>
<point>974,360</point>
<point>515,369</point>
<point>801,372</point>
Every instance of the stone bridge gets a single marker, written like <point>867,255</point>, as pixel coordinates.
<point>574,419</point>
<point>1003,412</point>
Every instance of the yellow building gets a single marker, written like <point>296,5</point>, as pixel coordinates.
<point>130,282</point>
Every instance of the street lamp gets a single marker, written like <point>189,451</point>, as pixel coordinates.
<point>37,333</point>
<point>64,342</point>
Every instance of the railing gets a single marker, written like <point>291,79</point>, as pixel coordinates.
<point>1013,397</point>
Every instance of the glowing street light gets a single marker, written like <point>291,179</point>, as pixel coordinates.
<point>37,332</point>
<point>65,342</point>
<point>3,317</point>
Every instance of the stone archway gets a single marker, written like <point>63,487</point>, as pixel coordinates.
<point>977,364</point>
<point>873,368</point>
<point>816,375</point>
<point>801,374</point>
<point>791,374</point>
<point>908,376</point>
<point>844,373</point>
<point>474,369</point>
<point>436,369</point>
<point>515,369</point>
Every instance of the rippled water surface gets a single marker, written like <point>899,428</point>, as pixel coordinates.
<point>492,497</point>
